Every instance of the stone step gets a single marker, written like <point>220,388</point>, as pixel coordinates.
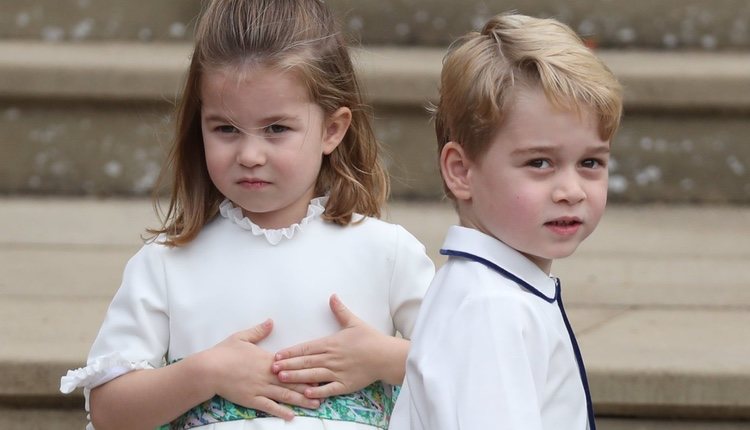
<point>86,20</point>
<point>95,119</point>
<point>661,319</point>
<point>667,24</point>
<point>42,418</point>
<point>72,419</point>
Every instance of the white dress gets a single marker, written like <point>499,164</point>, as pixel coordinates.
<point>492,348</point>
<point>174,302</point>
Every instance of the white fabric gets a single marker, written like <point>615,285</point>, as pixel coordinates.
<point>488,354</point>
<point>174,302</point>
<point>273,236</point>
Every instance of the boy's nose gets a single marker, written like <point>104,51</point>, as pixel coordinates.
<point>569,189</point>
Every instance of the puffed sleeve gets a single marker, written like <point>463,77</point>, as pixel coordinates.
<point>412,272</point>
<point>488,374</point>
<point>135,331</point>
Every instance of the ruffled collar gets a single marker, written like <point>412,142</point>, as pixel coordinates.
<point>228,210</point>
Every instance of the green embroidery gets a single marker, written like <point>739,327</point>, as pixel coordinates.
<point>372,406</point>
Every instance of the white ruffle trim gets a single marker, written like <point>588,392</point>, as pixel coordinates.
<point>273,236</point>
<point>99,371</point>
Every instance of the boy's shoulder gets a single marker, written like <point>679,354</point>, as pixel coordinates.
<point>493,266</point>
<point>471,282</point>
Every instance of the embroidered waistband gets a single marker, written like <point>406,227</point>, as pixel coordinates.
<point>372,406</point>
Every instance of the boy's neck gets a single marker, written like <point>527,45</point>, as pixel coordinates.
<point>544,264</point>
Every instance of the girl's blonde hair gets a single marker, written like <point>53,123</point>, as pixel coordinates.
<point>483,70</point>
<point>297,35</point>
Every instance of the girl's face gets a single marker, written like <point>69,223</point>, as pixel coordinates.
<point>264,141</point>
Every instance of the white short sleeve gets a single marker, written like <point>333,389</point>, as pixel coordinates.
<point>135,331</point>
<point>412,273</point>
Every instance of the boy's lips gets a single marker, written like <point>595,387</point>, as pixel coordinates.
<point>564,226</point>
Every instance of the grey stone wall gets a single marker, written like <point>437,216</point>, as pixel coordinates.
<point>87,88</point>
<point>663,24</point>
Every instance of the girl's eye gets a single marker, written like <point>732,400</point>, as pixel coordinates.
<point>539,163</point>
<point>276,129</point>
<point>226,129</point>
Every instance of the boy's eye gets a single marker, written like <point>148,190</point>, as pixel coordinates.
<point>539,163</point>
<point>592,163</point>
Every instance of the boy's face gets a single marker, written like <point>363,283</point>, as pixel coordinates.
<point>541,187</point>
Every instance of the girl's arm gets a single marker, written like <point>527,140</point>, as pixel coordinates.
<point>235,369</point>
<point>347,361</point>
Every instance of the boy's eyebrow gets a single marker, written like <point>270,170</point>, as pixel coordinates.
<point>601,149</point>
<point>533,150</point>
<point>543,149</point>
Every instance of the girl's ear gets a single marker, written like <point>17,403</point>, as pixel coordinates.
<point>454,166</point>
<point>336,126</point>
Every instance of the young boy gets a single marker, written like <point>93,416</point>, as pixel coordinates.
<point>524,124</point>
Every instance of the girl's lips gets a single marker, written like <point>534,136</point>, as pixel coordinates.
<point>253,183</point>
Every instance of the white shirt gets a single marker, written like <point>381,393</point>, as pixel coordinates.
<point>174,302</point>
<point>490,352</point>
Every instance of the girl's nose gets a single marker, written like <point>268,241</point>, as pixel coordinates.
<point>569,189</point>
<point>251,153</point>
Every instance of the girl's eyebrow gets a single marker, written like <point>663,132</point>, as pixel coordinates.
<point>215,118</point>
<point>272,119</point>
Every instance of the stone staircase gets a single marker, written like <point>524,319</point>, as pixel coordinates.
<point>86,94</point>
<point>87,89</point>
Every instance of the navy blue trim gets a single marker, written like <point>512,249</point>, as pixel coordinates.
<point>500,270</point>
<point>558,298</point>
<point>579,359</point>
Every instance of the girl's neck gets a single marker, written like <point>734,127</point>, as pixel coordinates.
<point>280,218</point>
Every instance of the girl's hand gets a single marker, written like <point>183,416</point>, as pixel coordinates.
<point>345,362</point>
<point>240,372</point>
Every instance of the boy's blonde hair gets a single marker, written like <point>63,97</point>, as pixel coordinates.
<point>300,36</point>
<point>482,72</point>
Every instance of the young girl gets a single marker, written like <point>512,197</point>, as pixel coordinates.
<point>276,180</point>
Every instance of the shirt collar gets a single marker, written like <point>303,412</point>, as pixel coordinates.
<point>475,245</point>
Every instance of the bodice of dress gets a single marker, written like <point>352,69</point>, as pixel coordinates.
<point>174,302</point>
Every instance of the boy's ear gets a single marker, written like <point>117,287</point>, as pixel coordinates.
<point>335,129</point>
<point>454,166</point>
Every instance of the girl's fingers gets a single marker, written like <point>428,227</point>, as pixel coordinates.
<point>300,388</point>
<point>299,363</point>
<point>270,407</point>
<point>289,397</point>
<point>257,333</point>
<point>328,390</point>
<point>308,348</point>
<point>343,315</point>
<point>306,376</point>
